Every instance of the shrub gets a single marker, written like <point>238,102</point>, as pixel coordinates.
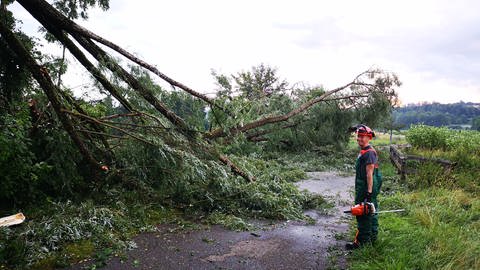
<point>442,138</point>
<point>16,159</point>
<point>462,147</point>
<point>428,137</point>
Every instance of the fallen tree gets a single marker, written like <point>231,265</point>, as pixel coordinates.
<point>80,126</point>
<point>358,89</point>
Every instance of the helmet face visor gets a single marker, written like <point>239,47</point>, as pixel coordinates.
<point>363,133</point>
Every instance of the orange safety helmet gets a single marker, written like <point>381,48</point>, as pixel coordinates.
<point>362,130</point>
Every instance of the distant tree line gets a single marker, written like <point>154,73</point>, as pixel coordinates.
<point>437,114</point>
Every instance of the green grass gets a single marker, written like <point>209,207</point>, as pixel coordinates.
<point>440,230</point>
<point>465,175</point>
<point>429,137</point>
<point>462,147</point>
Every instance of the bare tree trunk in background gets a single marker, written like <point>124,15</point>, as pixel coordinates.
<point>59,73</point>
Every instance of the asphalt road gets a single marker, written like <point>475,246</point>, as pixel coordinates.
<point>282,245</point>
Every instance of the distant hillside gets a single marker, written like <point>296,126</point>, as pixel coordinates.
<point>437,114</point>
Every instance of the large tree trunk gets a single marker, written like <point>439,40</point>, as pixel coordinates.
<point>54,20</point>
<point>89,66</point>
<point>101,55</point>
<point>45,10</point>
<point>43,78</point>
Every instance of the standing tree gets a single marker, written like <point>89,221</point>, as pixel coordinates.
<point>476,124</point>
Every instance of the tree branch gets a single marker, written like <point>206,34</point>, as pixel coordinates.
<point>113,116</point>
<point>49,16</point>
<point>109,153</point>
<point>382,84</point>
<point>255,136</point>
<point>92,119</point>
<point>235,169</point>
<point>219,132</point>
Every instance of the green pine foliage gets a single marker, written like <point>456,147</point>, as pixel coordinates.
<point>157,167</point>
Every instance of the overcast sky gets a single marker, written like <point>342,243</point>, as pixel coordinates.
<point>434,46</point>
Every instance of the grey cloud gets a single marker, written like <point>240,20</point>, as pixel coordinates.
<point>451,51</point>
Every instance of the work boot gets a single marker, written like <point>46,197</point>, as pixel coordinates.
<point>352,246</point>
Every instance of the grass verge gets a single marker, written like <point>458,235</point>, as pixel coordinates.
<point>440,230</point>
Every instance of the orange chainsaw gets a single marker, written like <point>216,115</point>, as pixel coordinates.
<point>368,209</point>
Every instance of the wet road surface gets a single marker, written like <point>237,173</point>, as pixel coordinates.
<point>281,245</point>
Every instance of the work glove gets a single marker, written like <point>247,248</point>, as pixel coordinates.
<point>368,203</point>
<point>368,197</point>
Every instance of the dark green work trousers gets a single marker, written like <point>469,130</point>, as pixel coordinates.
<point>367,225</point>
